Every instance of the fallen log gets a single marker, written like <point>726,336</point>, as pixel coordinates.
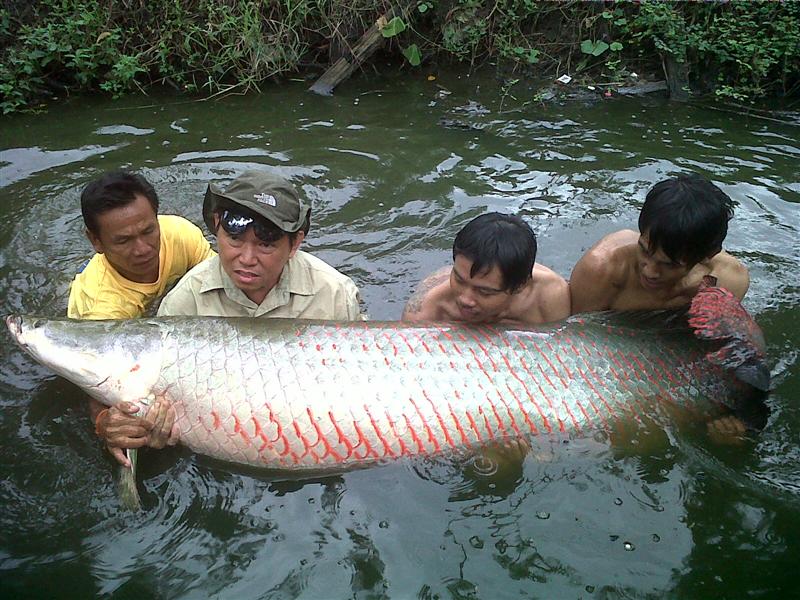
<point>346,65</point>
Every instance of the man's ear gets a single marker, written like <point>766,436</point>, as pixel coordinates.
<point>94,240</point>
<point>216,223</point>
<point>298,239</point>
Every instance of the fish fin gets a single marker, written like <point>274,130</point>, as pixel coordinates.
<point>126,483</point>
<point>717,315</point>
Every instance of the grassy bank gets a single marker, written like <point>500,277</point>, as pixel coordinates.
<point>739,49</point>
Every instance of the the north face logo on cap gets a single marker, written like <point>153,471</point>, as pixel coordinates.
<point>266,199</point>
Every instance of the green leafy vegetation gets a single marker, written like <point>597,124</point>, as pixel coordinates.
<point>739,49</point>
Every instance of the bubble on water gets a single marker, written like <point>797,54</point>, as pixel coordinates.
<point>613,537</point>
<point>383,524</point>
<point>501,546</point>
<point>311,500</point>
<point>476,542</point>
<point>484,466</point>
<point>547,479</point>
<point>590,589</point>
<point>542,515</point>
<point>618,501</point>
<point>628,546</point>
<point>303,562</point>
<point>656,538</point>
<point>658,508</point>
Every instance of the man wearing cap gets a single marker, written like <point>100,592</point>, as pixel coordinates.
<point>260,221</point>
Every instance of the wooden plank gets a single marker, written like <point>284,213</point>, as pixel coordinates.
<point>344,67</point>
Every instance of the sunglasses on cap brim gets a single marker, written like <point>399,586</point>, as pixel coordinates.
<point>236,224</point>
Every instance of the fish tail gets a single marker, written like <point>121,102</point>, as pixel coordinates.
<point>717,315</point>
<point>126,484</point>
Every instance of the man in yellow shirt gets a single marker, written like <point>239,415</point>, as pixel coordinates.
<point>139,255</point>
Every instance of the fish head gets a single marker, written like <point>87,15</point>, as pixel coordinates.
<point>113,361</point>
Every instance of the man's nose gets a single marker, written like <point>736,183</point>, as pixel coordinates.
<point>141,247</point>
<point>650,269</point>
<point>247,256</point>
<point>467,298</point>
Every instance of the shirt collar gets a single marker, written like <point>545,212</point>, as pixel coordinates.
<point>295,279</point>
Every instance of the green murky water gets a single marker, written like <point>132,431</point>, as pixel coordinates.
<point>394,168</point>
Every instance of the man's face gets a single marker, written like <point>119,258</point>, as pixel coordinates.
<point>657,271</point>
<point>130,238</point>
<point>253,265</point>
<point>480,299</point>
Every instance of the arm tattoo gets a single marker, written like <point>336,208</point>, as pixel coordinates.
<point>414,304</point>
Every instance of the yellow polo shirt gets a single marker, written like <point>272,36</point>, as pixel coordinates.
<point>308,288</point>
<point>100,292</point>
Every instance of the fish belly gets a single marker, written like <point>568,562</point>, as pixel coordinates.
<point>318,396</point>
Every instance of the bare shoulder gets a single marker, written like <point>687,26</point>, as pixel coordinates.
<point>424,304</point>
<point>602,271</point>
<point>609,253</point>
<point>552,292</point>
<point>730,273</point>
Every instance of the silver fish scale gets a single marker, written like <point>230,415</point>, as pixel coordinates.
<point>321,395</point>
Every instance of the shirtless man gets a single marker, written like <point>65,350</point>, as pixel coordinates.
<point>682,225</point>
<point>494,279</point>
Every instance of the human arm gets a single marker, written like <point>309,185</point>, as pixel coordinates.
<point>120,428</point>
<point>731,274</point>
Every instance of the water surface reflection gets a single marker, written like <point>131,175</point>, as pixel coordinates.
<point>392,176</point>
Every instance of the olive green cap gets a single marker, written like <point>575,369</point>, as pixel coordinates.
<point>263,193</point>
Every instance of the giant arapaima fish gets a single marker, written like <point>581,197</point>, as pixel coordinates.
<point>315,395</point>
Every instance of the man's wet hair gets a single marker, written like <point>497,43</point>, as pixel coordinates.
<point>113,190</point>
<point>498,239</point>
<point>275,233</point>
<point>686,217</point>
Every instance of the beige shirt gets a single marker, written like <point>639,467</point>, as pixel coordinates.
<point>308,289</point>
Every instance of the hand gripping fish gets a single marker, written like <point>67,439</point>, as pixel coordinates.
<point>316,395</point>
